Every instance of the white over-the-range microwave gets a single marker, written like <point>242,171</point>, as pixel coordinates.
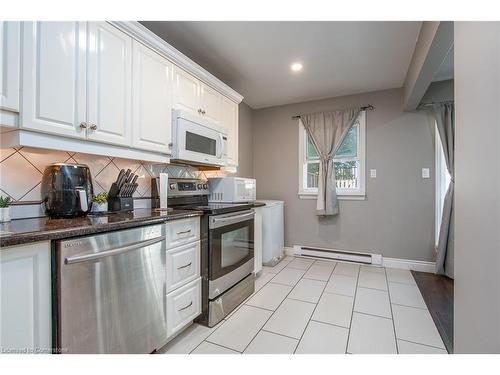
<point>198,140</point>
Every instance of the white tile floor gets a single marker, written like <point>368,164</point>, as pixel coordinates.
<point>307,306</point>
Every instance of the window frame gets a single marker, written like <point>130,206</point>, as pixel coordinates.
<point>354,194</point>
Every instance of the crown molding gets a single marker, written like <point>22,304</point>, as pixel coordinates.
<point>153,41</point>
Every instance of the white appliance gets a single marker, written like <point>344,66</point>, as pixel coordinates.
<point>273,239</point>
<point>232,189</point>
<point>198,140</point>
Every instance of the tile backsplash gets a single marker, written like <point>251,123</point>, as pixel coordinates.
<point>21,171</point>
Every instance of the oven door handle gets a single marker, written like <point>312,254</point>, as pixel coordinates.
<point>217,222</point>
<point>116,251</point>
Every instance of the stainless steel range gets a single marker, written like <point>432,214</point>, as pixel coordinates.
<point>227,247</point>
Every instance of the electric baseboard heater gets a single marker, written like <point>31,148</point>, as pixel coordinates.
<point>341,255</point>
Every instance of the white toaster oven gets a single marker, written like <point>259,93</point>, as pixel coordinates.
<point>232,189</point>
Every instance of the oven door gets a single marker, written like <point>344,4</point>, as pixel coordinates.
<point>231,250</point>
<point>199,142</point>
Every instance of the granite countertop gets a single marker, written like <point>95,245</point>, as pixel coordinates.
<point>22,231</point>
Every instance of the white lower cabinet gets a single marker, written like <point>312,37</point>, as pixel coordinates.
<point>183,305</point>
<point>183,273</point>
<point>183,231</point>
<point>25,299</point>
<point>183,265</point>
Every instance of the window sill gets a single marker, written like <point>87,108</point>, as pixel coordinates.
<point>350,197</point>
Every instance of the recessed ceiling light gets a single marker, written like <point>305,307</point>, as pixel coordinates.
<point>296,67</point>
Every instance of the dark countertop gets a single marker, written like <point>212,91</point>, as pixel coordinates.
<point>22,231</point>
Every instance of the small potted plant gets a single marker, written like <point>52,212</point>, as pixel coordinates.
<point>100,202</point>
<point>4,209</point>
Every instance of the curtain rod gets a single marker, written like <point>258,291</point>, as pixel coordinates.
<point>368,107</point>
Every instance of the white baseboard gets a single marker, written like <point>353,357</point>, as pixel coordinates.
<point>404,264</point>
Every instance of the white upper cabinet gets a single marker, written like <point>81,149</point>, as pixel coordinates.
<point>152,100</point>
<point>105,82</point>
<point>9,65</point>
<point>229,120</point>
<point>210,103</point>
<point>54,78</point>
<point>186,91</point>
<point>195,96</point>
<point>109,77</point>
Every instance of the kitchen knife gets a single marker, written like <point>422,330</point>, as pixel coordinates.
<point>120,175</point>
<point>114,190</point>
<point>130,177</point>
<point>125,178</point>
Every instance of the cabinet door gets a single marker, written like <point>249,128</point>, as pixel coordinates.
<point>25,297</point>
<point>109,84</point>
<point>152,100</point>
<point>186,91</point>
<point>54,77</point>
<point>210,103</point>
<point>230,123</point>
<point>9,65</point>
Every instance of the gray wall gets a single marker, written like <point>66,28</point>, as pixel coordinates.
<point>396,219</point>
<point>477,208</point>
<point>245,141</point>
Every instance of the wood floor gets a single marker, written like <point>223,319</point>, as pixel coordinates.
<point>438,295</point>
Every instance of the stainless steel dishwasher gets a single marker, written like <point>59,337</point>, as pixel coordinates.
<point>111,292</point>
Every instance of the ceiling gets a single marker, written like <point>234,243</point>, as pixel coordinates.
<point>339,58</point>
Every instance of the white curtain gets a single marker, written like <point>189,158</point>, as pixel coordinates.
<point>327,131</point>
<point>445,121</point>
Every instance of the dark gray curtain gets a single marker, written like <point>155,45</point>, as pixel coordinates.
<point>327,131</point>
<point>445,120</point>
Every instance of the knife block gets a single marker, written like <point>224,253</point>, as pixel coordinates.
<point>120,204</point>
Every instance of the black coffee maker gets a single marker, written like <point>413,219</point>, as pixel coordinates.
<point>67,190</point>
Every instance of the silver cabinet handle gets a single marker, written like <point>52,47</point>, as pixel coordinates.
<point>93,127</point>
<point>184,232</point>
<point>83,125</point>
<point>187,265</point>
<point>116,251</point>
<point>203,112</point>
<point>199,111</point>
<point>186,307</point>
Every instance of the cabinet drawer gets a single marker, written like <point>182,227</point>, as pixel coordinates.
<point>183,231</point>
<point>183,265</point>
<point>183,305</point>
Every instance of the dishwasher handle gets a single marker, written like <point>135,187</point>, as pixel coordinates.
<point>115,251</point>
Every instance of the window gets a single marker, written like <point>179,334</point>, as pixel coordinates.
<point>349,162</point>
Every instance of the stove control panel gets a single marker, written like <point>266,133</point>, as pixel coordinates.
<point>183,187</point>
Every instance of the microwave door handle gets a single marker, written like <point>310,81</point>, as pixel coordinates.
<point>82,196</point>
<point>221,141</point>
